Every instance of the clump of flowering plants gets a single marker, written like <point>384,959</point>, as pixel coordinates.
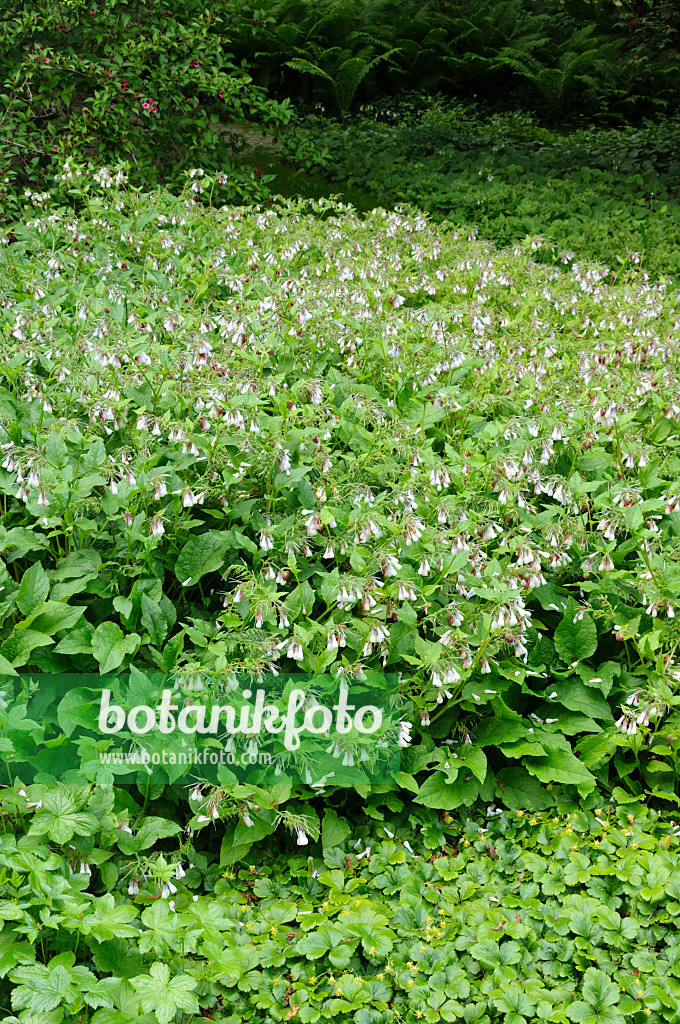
<point>298,440</point>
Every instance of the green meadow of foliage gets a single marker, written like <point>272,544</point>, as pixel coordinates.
<point>605,194</point>
<point>569,919</point>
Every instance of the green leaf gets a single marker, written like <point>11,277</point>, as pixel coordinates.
<point>515,1005</point>
<point>429,652</point>
<point>18,645</point>
<point>575,696</point>
<point>53,616</point>
<point>598,990</point>
<point>300,64</point>
<point>110,645</point>
<point>315,944</point>
<point>334,829</point>
<point>77,642</point>
<point>44,988</point>
<point>152,829</point>
<point>520,791</point>
<point>200,555</point>
<point>23,540</point>
<point>6,669</point>
<point>56,451</point>
<point>561,766</point>
<point>445,795</point>
<point>33,589</point>
<point>108,921</point>
<point>474,759</point>
<point>77,707</point>
<point>154,621</point>
<point>13,951</point>
<point>575,637</point>
<point>60,818</point>
<point>163,995</point>
<point>162,926</point>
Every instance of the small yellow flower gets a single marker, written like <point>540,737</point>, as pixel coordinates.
<point>331,979</point>
<point>273,930</point>
<point>380,976</point>
<point>574,847</point>
<point>520,814</point>
<point>371,951</point>
<point>410,982</point>
<point>596,842</point>
<point>533,821</point>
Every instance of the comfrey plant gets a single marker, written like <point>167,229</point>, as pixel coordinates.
<point>266,441</point>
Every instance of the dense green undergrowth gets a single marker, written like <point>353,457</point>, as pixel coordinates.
<point>287,442</point>
<point>243,440</point>
<point>618,59</point>
<point>609,195</point>
<point>556,918</point>
<point>240,441</point>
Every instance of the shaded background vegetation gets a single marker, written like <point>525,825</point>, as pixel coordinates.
<point>554,118</point>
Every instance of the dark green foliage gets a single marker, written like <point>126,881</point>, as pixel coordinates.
<point>598,193</point>
<point>397,917</point>
<point>145,82</point>
<point>558,58</point>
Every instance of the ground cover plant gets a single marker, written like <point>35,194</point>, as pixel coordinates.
<point>217,454</point>
<point>295,439</point>
<point>603,194</point>
<point>557,917</point>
